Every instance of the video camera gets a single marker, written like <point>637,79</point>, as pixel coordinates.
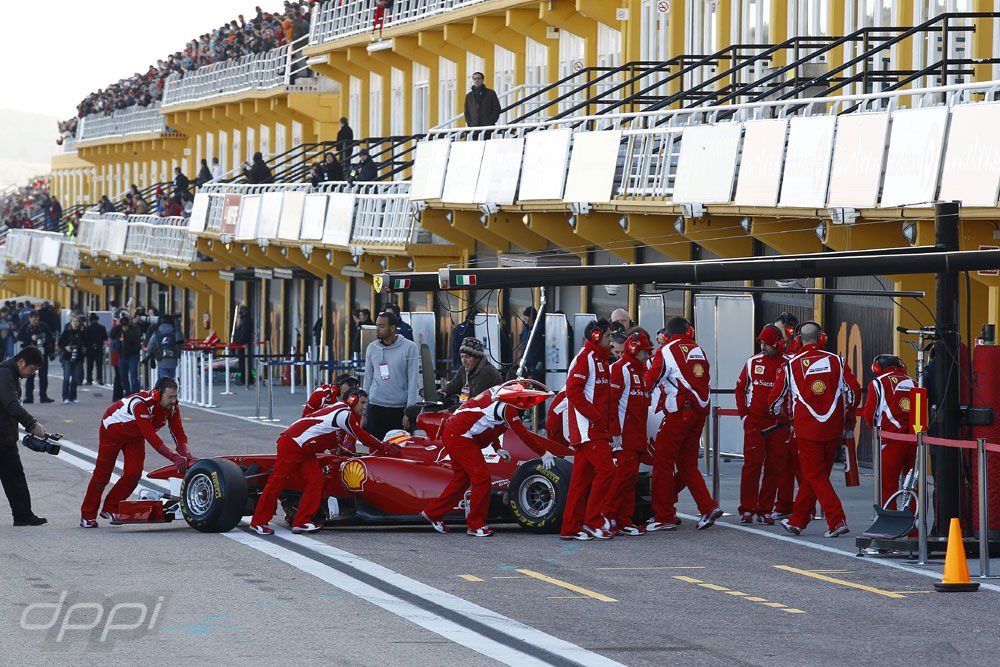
<point>47,445</point>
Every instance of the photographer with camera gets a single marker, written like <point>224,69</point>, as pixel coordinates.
<point>24,364</point>
<point>37,334</point>
<point>129,347</point>
<point>94,336</point>
<point>72,343</point>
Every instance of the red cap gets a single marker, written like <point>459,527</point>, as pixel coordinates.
<point>769,335</point>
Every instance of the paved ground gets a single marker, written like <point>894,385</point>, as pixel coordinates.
<point>728,595</point>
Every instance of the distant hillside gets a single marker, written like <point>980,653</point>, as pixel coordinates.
<point>27,143</point>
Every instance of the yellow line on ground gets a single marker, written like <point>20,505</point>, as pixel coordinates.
<point>666,567</point>
<point>831,571</point>
<point>841,582</point>
<point>690,580</point>
<point>740,593</point>
<point>565,597</point>
<point>568,586</point>
<point>714,587</point>
<point>510,577</point>
<point>754,598</point>
<point>470,577</point>
<point>792,610</point>
<point>776,605</point>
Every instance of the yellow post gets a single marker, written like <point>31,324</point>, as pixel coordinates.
<point>778,31</point>
<point>982,40</point>
<point>675,40</point>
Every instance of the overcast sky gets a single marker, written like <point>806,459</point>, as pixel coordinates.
<point>64,49</point>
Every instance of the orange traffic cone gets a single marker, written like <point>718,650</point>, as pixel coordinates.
<point>956,569</point>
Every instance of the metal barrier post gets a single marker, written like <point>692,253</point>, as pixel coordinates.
<point>210,355</point>
<point>257,387</point>
<point>270,398</point>
<point>715,453</point>
<point>984,540</point>
<point>308,373</point>
<point>182,376</point>
<point>291,373</point>
<point>922,495</point>
<point>226,355</point>
<point>203,369</point>
<point>877,468</point>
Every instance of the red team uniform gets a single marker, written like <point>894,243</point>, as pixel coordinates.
<point>888,408</point>
<point>823,394</point>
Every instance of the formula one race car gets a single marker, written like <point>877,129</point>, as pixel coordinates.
<point>376,489</point>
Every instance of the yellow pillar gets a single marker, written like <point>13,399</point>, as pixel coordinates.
<point>675,40</point>
<point>982,40</point>
<point>778,31</point>
<point>835,21</point>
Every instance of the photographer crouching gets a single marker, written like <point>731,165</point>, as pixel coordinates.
<point>22,365</point>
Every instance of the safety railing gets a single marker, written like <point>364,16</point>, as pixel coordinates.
<point>123,122</point>
<point>143,236</point>
<point>46,250</point>
<point>258,71</point>
<point>362,213</point>
<point>337,19</point>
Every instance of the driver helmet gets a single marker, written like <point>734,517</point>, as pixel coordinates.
<point>396,436</point>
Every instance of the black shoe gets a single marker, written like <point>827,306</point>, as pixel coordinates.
<point>33,521</point>
<point>28,400</point>
<point>47,400</point>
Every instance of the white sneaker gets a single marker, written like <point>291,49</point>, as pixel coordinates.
<point>305,528</point>
<point>602,533</point>
<point>708,520</point>
<point>88,523</point>
<point>652,526</point>
<point>262,529</point>
<point>65,401</point>
<point>583,536</point>
<point>485,531</point>
<point>841,529</point>
<point>437,525</point>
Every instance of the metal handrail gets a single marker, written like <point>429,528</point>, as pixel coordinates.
<point>122,122</point>
<point>337,19</point>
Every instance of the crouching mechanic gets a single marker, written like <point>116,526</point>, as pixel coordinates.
<point>298,446</point>
<point>327,394</point>
<point>630,401</point>
<point>888,409</point>
<point>126,427</point>
<point>477,424</point>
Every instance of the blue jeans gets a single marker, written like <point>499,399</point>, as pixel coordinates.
<point>72,377</point>
<point>162,372</point>
<point>128,369</point>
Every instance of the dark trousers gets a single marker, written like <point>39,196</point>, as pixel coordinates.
<point>95,358</point>
<point>244,364</point>
<point>14,483</point>
<point>72,377</point>
<point>382,419</point>
<point>43,381</point>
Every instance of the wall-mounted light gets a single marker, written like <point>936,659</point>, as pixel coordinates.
<point>449,216</point>
<point>821,231</point>
<point>484,219</point>
<point>572,221</point>
<point>746,223</point>
<point>679,224</point>
<point>526,219</point>
<point>623,223</point>
<point>910,232</point>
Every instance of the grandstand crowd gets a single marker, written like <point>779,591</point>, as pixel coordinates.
<point>235,39</point>
<point>30,206</point>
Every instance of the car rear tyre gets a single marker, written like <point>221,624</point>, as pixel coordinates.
<point>213,495</point>
<point>537,496</point>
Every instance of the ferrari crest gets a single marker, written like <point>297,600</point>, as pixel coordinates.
<point>354,475</point>
<point>805,363</point>
<point>377,283</point>
<point>904,404</point>
<point>894,380</point>
<point>684,349</point>
<point>818,387</point>
<point>699,370</point>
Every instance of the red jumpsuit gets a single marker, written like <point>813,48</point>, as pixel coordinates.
<point>126,427</point>
<point>322,396</point>
<point>823,395</point>
<point>792,472</point>
<point>753,388</point>
<point>888,409</point>
<point>681,373</point>
<point>477,424</point>
<point>630,401</point>
<point>298,446</point>
<point>588,424</point>
<point>554,426</point>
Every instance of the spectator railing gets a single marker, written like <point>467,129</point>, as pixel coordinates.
<point>337,19</point>
<point>381,214</point>
<point>123,122</point>
<point>44,250</point>
<point>257,71</point>
<point>141,236</point>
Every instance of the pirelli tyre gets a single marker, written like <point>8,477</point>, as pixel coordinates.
<point>537,496</point>
<point>213,495</point>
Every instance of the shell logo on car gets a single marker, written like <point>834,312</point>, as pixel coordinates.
<point>354,475</point>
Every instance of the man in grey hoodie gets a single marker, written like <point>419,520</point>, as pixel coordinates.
<point>165,348</point>
<point>392,377</point>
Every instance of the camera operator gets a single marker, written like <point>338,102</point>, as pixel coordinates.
<point>95,335</point>
<point>129,347</point>
<point>36,333</point>
<point>72,343</point>
<point>22,365</point>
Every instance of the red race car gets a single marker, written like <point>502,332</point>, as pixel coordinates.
<point>216,493</point>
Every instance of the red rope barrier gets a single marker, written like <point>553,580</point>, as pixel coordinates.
<point>941,442</point>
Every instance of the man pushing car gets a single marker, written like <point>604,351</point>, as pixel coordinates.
<point>126,427</point>
<point>298,446</point>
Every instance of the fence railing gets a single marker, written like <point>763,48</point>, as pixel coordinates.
<point>46,250</point>
<point>146,236</point>
<point>337,214</point>
<point>123,122</point>
<point>337,19</point>
<point>257,71</point>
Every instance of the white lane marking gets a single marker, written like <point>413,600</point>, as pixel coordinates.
<point>69,448</point>
<point>189,406</point>
<point>834,550</point>
<point>406,610</point>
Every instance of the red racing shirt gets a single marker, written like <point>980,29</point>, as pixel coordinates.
<point>588,396</point>
<point>484,418</point>
<point>822,391</point>
<point>630,402</point>
<point>754,385</point>
<point>329,428</point>
<point>681,373</point>
<point>888,403</point>
<point>323,396</point>
<point>139,417</point>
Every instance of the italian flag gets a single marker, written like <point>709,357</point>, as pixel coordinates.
<point>401,283</point>
<point>465,280</point>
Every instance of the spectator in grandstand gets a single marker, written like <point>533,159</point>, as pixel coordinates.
<point>258,172</point>
<point>345,142</point>
<point>216,170</point>
<point>128,205</point>
<point>181,182</point>
<point>365,170</point>
<point>482,107</point>
<point>106,206</point>
<point>316,174</point>
<point>332,171</point>
<point>204,174</point>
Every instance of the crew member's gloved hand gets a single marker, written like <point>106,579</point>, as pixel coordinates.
<point>616,443</point>
<point>181,463</point>
<point>548,460</point>
<point>504,455</point>
<point>848,433</point>
<point>390,449</point>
